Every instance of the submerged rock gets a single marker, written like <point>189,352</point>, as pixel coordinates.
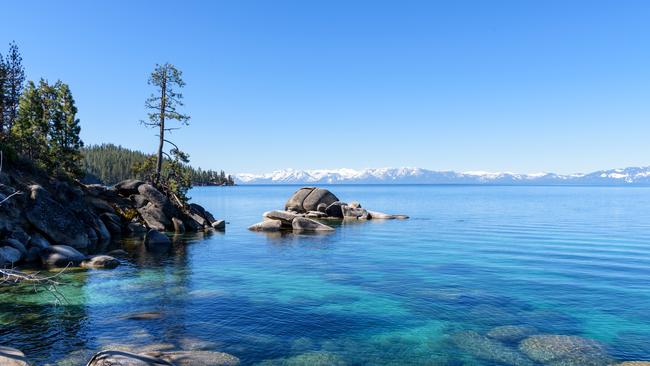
<point>59,256</point>
<point>489,349</point>
<point>12,357</point>
<point>564,350</point>
<point>100,262</point>
<point>155,240</point>
<point>305,224</point>
<point>157,358</point>
<point>307,359</point>
<point>511,333</point>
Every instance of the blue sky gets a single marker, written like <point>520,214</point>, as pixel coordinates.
<point>520,86</point>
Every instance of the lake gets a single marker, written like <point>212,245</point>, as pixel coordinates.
<point>423,291</point>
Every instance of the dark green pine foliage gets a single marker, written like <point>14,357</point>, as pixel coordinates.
<point>3,86</point>
<point>65,142</point>
<point>29,132</point>
<point>109,164</point>
<point>13,87</point>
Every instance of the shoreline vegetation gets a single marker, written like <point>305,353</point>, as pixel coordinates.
<point>50,219</point>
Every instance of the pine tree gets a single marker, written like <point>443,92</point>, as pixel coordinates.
<point>163,105</point>
<point>3,86</point>
<point>65,142</point>
<point>14,80</point>
<point>30,129</point>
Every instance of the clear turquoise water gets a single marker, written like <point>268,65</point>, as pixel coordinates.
<point>566,260</point>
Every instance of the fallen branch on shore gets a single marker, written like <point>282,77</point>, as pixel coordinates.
<point>10,276</point>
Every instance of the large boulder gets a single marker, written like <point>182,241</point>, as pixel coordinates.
<point>9,256</point>
<point>267,225</point>
<point>14,244</point>
<point>155,197</point>
<point>335,209</point>
<point>285,216</point>
<point>155,240</point>
<point>112,222</point>
<point>58,256</point>
<point>305,224</point>
<point>219,225</point>
<point>98,204</point>
<point>565,350</point>
<point>12,357</point>
<point>316,197</point>
<point>155,217</point>
<point>200,215</point>
<point>54,220</point>
<point>37,240</point>
<point>139,200</point>
<point>296,200</point>
<point>123,358</point>
<point>100,262</point>
<point>128,187</point>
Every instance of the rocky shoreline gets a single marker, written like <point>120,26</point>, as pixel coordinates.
<point>54,223</point>
<point>308,206</point>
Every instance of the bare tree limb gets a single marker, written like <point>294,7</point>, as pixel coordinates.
<point>50,283</point>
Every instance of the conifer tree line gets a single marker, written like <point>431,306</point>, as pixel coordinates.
<point>109,164</point>
<point>38,119</point>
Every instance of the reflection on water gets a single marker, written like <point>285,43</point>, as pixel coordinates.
<point>474,272</point>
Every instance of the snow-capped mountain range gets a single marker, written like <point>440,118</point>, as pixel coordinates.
<point>627,176</point>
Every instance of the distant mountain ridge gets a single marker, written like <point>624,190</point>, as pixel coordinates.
<point>629,176</point>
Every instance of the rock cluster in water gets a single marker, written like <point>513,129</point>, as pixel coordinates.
<point>310,204</point>
<point>54,222</point>
<point>520,346</point>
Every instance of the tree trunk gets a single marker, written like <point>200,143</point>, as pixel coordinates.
<point>163,102</point>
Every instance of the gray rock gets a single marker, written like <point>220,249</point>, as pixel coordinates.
<point>58,256</point>
<point>197,358</point>
<point>179,227</point>
<point>139,200</point>
<point>157,358</point>
<point>384,216</point>
<point>9,255</point>
<point>20,235</point>
<point>489,349</point>
<point>154,217</point>
<point>511,333</point>
<point>136,227</point>
<point>315,214</point>
<point>33,255</point>
<point>305,224</point>
<point>219,225</point>
<point>14,244</point>
<point>37,240</point>
<point>314,358</point>
<point>355,204</point>
<point>200,215</point>
<point>285,216</point>
<point>92,235</point>
<point>128,187</point>
<point>54,220</point>
<point>112,222</point>
<point>118,253</point>
<point>154,239</point>
<point>296,200</point>
<point>267,225</point>
<point>354,213</point>
<point>155,197</point>
<point>563,350</point>
<point>335,209</point>
<point>12,357</point>
<point>99,204</point>
<point>316,197</point>
<point>96,190</point>
<point>100,262</point>
<point>321,207</point>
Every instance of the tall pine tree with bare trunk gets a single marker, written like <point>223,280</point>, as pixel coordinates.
<point>13,86</point>
<point>163,106</point>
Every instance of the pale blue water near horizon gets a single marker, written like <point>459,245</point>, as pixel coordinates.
<point>564,260</point>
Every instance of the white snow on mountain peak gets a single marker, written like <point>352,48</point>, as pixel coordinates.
<point>411,175</point>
